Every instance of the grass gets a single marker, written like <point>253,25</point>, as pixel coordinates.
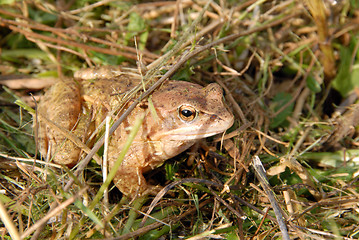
<point>289,70</point>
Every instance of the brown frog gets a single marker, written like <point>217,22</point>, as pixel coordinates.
<point>185,113</point>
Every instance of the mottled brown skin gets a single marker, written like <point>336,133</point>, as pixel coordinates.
<point>185,113</point>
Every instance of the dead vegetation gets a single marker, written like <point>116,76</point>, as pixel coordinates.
<point>290,73</point>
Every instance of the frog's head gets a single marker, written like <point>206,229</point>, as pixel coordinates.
<point>188,111</point>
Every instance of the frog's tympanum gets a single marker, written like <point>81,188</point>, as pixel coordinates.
<point>184,113</point>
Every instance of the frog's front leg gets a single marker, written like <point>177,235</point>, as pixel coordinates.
<point>62,106</point>
<point>130,181</point>
<point>129,177</point>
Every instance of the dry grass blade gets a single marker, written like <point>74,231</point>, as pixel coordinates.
<point>32,36</point>
<point>318,10</point>
<point>9,224</point>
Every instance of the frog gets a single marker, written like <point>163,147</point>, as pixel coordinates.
<point>176,116</point>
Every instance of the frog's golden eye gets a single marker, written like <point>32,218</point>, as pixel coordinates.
<point>187,113</point>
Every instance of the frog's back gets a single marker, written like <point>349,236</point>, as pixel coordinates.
<point>77,106</point>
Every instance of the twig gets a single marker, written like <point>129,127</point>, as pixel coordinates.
<point>261,175</point>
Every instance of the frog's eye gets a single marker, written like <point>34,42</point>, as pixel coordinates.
<point>187,113</point>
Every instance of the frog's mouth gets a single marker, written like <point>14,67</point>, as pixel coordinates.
<point>190,136</point>
<point>188,133</point>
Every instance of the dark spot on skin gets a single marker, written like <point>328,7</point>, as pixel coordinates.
<point>213,117</point>
<point>169,88</point>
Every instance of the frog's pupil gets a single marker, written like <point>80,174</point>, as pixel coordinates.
<point>187,113</point>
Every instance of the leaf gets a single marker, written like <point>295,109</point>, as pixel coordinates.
<point>7,2</point>
<point>136,23</point>
<point>313,85</point>
<point>137,26</point>
<point>279,101</point>
<point>14,205</point>
<point>42,17</point>
<point>14,55</point>
<point>171,170</point>
<point>184,74</point>
<point>347,77</point>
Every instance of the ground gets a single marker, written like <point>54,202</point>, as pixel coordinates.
<point>290,74</point>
